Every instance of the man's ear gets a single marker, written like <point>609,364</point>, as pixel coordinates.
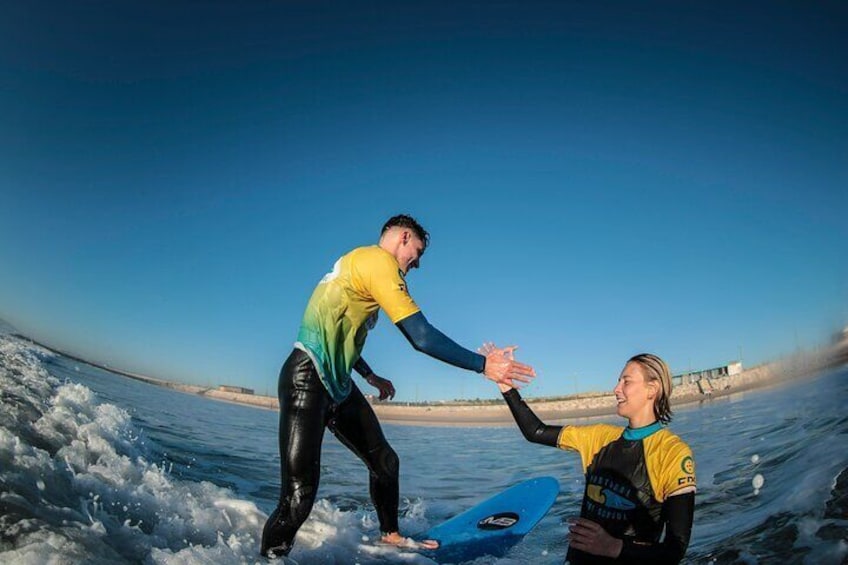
<point>404,237</point>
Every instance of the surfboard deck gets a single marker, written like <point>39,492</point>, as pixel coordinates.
<point>494,525</point>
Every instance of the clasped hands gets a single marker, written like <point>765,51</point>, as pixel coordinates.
<point>503,369</point>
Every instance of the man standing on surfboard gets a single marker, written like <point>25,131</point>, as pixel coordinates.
<point>316,390</point>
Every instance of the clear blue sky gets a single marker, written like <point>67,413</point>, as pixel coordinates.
<point>599,178</point>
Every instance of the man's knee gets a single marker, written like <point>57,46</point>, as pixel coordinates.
<point>385,462</point>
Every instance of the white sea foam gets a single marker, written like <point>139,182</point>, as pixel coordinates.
<point>77,485</point>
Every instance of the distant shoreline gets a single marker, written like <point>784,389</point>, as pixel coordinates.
<point>579,407</point>
<point>569,407</point>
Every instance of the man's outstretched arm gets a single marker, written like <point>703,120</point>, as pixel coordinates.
<point>497,367</point>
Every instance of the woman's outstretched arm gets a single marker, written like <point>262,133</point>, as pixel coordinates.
<point>530,425</point>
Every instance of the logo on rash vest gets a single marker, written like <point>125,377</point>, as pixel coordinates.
<point>688,467</point>
<point>608,498</point>
<point>499,521</point>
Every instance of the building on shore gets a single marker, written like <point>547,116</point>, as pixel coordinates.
<point>236,389</point>
<point>732,368</point>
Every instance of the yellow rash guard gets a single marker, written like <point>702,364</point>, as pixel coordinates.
<point>628,479</point>
<point>344,306</point>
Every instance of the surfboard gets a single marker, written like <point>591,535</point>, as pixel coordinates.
<point>496,524</point>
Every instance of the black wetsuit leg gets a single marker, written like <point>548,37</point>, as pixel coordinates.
<point>356,426</point>
<point>304,410</point>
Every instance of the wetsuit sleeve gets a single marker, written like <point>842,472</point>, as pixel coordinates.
<point>362,368</point>
<point>427,339</point>
<point>678,511</point>
<point>530,425</point>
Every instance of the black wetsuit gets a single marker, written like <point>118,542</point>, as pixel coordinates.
<point>305,410</point>
<point>630,476</point>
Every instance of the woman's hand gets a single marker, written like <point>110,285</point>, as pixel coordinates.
<point>503,369</point>
<point>590,537</point>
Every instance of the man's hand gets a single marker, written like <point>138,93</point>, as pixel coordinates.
<point>503,369</point>
<point>591,537</point>
<point>385,386</point>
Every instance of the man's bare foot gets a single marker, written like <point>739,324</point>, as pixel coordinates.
<point>397,540</point>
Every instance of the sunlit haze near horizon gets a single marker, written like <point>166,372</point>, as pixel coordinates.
<point>599,179</point>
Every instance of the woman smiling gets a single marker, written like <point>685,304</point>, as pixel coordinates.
<point>640,480</point>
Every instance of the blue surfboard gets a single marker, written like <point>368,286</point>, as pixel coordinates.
<point>496,524</point>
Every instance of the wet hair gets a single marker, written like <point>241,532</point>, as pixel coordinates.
<point>655,369</point>
<point>407,221</point>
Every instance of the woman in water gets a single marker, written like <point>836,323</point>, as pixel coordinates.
<point>639,479</point>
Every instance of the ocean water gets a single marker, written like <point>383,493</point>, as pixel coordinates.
<point>97,468</point>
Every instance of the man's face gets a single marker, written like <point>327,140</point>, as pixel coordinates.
<point>410,251</point>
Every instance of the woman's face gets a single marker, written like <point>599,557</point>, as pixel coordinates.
<point>633,394</point>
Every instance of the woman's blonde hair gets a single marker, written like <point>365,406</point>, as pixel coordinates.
<point>656,369</point>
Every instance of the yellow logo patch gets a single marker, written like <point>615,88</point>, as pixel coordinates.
<point>594,493</point>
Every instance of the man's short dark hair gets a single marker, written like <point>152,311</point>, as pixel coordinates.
<point>407,221</point>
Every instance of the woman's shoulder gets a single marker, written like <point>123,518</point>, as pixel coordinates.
<point>592,436</point>
<point>668,440</point>
<point>598,430</point>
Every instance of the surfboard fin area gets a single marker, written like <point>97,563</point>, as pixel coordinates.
<point>494,525</point>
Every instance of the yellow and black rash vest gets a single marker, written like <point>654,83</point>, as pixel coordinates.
<point>344,306</point>
<point>627,480</point>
